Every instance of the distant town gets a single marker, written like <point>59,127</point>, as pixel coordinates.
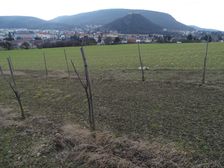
<point>29,38</point>
<point>102,27</point>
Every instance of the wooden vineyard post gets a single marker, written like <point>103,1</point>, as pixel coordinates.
<point>87,88</point>
<point>66,61</point>
<point>13,69</point>
<point>84,86</point>
<point>141,64</point>
<point>14,88</point>
<point>205,63</point>
<point>45,65</point>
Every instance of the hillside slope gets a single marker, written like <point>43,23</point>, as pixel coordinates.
<point>102,17</point>
<point>29,22</point>
<point>133,24</point>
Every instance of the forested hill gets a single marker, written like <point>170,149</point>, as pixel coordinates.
<point>103,17</point>
<point>133,24</point>
<point>29,23</point>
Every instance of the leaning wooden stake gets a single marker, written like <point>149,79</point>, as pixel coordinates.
<point>141,64</point>
<point>66,60</point>
<point>88,84</point>
<point>14,89</point>
<point>77,73</point>
<point>11,71</point>
<point>11,64</point>
<point>87,88</point>
<point>45,65</point>
<point>205,63</point>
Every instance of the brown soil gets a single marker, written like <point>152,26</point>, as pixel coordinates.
<point>6,117</point>
<point>17,73</point>
<point>167,121</point>
<point>76,146</point>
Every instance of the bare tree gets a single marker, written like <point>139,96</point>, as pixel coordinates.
<point>13,86</point>
<point>87,88</point>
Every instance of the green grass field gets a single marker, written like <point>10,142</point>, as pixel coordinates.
<point>156,56</point>
<point>171,108</point>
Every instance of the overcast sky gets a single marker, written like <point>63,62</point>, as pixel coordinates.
<point>203,13</point>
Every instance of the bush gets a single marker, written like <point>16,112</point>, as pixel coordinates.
<point>25,45</point>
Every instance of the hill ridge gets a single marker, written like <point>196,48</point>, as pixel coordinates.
<point>133,23</point>
<point>105,16</point>
<point>99,17</point>
<point>29,22</point>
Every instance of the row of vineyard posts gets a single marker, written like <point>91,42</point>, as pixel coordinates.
<point>85,84</point>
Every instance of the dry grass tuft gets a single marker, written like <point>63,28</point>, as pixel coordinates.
<point>100,150</point>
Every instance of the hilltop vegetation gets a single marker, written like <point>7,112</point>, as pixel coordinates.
<point>28,22</point>
<point>103,17</point>
<point>133,24</point>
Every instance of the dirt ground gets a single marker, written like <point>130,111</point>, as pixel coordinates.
<point>74,146</point>
<point>169,120</point>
